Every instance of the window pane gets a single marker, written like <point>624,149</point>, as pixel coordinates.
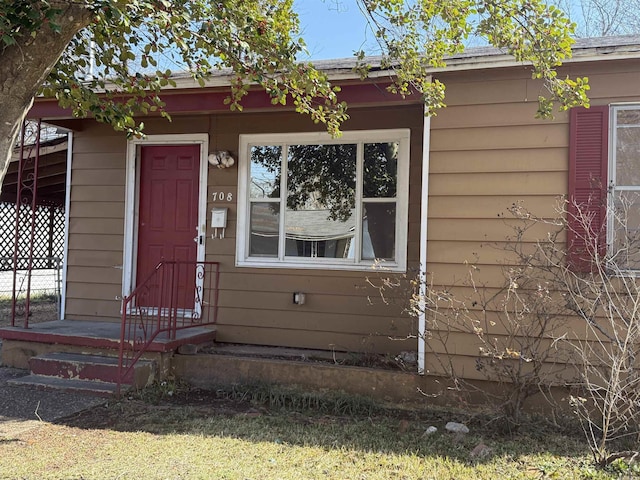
<point>265,171</point>
<point>380,170</point>
<point>312,233</point>
<point>264,227</point>
<point>628,117</point>
<point>320,215</point>
<point>626,241</point>
<point>322,177</point>
<point>379,231</point>
<point>628,155</point>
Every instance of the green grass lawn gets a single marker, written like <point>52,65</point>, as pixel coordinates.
<point>206,437</point>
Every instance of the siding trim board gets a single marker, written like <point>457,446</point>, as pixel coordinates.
<point>67,221</point>
<point>424,208</point>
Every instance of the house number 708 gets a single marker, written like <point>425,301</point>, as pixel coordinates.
<point>221,196</point>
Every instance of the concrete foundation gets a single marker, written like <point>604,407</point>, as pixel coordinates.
<point>210,370</point>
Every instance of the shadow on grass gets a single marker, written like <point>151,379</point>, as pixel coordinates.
<point>339,423</point>
<point>8,440</point>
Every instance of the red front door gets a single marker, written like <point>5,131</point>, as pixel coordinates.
<point>168,214</point>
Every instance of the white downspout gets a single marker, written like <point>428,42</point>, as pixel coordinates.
<point>424,207</point>
<point>67,208</point>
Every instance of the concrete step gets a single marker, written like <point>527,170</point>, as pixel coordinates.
<point>79,366</point>
<point>91,387</point>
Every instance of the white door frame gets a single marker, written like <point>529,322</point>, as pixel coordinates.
<point>132,183</point>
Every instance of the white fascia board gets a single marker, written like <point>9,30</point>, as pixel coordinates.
<point>224,80</point>
<point>343,69</point>
<point>506,61</point>
<point>46,150</point>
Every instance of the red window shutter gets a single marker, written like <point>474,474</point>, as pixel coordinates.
<point>588,167</point>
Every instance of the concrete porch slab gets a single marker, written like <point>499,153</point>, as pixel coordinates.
<point>104,335</point>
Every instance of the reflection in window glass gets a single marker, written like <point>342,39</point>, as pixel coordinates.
<point>322,177</point>
<point>312,233</point>
<point>628,117</point>
<point>265,171</point>
<point>380,170</point>
<point>264,229</point>
<point>624,214</point>
<point>379,231</point>
<point>628,155</point>
<point>626,235</point>
<point>320,215</point>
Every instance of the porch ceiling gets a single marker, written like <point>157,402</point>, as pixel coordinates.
<point>52,173</point>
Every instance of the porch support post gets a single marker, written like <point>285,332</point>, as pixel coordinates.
<point>67,209</point>
<point>424,208</point>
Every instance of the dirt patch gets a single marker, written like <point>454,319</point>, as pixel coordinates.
<point>23,407</point>
<point>153,411</point>
<point>178,412</point>
<point>133,413</point>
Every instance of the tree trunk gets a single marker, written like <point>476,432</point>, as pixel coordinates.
<point>23,69</point>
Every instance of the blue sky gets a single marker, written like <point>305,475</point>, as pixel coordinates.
<point>337,28</point>
<point>333,28</point>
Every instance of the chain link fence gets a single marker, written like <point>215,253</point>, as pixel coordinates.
<point>45,293</point>
<point>44,282</point>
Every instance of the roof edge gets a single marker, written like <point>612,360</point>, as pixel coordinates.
<point>475,58</point>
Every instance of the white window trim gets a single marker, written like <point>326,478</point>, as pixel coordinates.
<point>402,136</point>
<point>131,198</point>
<point>612,186</point>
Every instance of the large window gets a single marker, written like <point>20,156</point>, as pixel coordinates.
<point>309,201</point>
<point>624,187</point>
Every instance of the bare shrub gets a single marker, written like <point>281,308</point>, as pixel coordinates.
<point>603,341</point>
<point>503,333</point>
<point>550,323</point>
<point>513,326</point>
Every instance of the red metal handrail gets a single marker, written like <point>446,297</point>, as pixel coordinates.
<point>26,191</point>
<point>177,295</point>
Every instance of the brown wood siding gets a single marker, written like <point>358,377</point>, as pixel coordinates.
<point>96,226</point>
<point>488,154</point>
<point>256,304</point>
<point>369,343</point>
<point>342,312</point>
